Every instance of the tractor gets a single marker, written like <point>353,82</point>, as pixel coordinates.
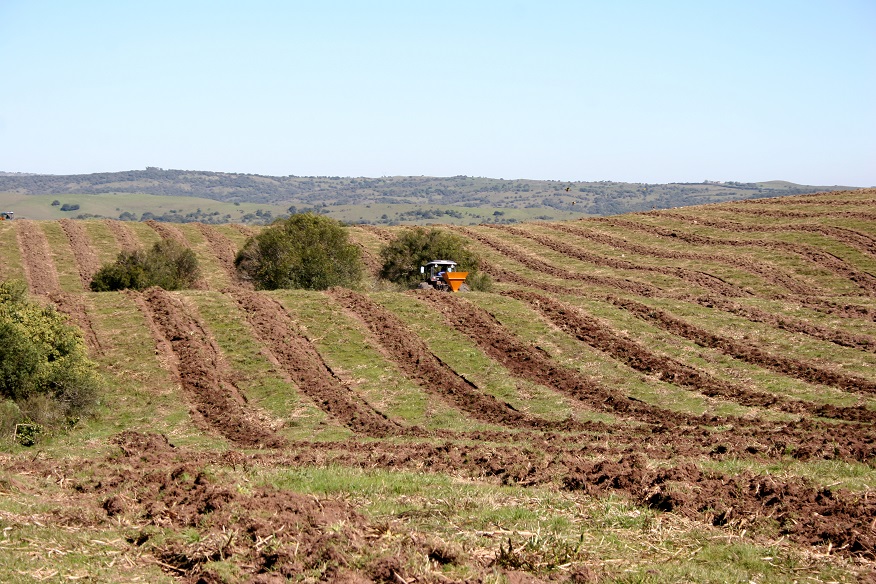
<point>6,215</point>
<point>442,275</point>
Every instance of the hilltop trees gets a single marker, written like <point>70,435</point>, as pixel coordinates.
<point>413,248</point>
<point>167,264</point>
<point>304,251</point>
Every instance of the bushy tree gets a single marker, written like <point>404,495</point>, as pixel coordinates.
<point>44,368</point>
<point>403,256</point>
<point>306,251</point>
<point>168,264</point>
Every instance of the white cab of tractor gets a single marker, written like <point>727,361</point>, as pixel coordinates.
<point>442,275</point>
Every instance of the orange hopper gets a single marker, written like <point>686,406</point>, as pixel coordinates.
<point>455,279</point>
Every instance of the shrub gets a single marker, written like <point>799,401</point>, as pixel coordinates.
<point>167,264</point>
<point>306,251</point>
<point>403,256</point>
<point>46,377</point>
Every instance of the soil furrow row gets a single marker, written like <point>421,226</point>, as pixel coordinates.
<point>39,267</point>
<point>274,327</point>
<point>596,334</point>
<point>769,273</point>
<point>86,258</point>
<point>73,305</point>
<point>204,375</point>
<point>225,251</point>
<point>527,260</point>
<point>707,281</point>
<point>797,368</point>
<point>415,359</point>
<point>127,241</point>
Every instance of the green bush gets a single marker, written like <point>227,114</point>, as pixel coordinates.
<point>304,251</point>
<point>403,256</point>
<point>46,377</point>
<point>167,264</point>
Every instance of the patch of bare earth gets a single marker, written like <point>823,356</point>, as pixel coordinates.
<point>415,359</point>
<point>301,361</point>
<point>127,241</point>
<point>74,306</point>
<point>204,375</point>
<point>39,267</point>
<point>86,258</point>
<point>225,251</point>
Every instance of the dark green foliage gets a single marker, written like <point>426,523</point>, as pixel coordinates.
<point>306,251</point>
<point>45,375</point>
<point>413,248</point>
<point>168,265</point>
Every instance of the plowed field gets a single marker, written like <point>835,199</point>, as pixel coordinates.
<point>686,395</point>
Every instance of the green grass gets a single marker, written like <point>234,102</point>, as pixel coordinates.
<point>103,242</point>
<point>351,353</point>
<point>62,257</point>
<point>11,265</point>
<point>265,386</point>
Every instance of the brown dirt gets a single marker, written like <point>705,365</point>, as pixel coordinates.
<point>73,305</point>
<point>204,375</point>
<point>769,273</point>
<point>600,336</point>
<point>127,241</point>
<point>244,230</point>
<point>417,362</point>
<point>167,231</point>
<point>80,244</point>
<point>807,371</point>
<point>276,330</point>
<point>531,262</point>
<point>39,267</point>
<point>225,251</point>
<point>708,281</point>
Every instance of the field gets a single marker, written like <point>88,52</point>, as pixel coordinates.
<point>672,396</point>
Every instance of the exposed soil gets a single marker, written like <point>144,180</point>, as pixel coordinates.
<point>417,362</point>
<point>39,267</point>
<point>127,241</point>
<point>764,270</point>
<point>529,261</point>
<point>596,334</point>
<point>807,371</point>
<point>708,281</point>
<point>73,305</point>
<point>80,244</point>
<point>276,330</point>
<point>204,375</point>
<point>167,231</point>
<point>225,251</point>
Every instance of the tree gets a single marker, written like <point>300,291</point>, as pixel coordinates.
<point>413,248</point>
<point>168,264</point>
<point>306,251</point>
<point>44,368</point>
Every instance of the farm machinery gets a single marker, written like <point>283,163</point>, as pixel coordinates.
<point>6,215</point>
<point>442,275</point>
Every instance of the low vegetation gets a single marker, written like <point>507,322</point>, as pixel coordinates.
<point>412,248</point>
<point>305,251</point>
<point>167,264</point>
<point>46,378</point>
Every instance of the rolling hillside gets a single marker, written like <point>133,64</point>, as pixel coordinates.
<point>679,395</point>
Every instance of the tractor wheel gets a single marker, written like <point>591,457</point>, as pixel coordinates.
<point>424,286</point>
<point>464,288</point>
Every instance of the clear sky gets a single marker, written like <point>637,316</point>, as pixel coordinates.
<point>642,91</point>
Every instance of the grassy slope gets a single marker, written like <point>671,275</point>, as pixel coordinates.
<point>626,542</point>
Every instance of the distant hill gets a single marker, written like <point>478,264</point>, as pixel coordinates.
<point>405,199</point>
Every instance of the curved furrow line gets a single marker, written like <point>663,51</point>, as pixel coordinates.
<point>527,362</point>
<point>797,368</point>
<point>805,438</point>
<point>825,260</point>
<point>73,305</point>
<point>596,334</point>
<point>80,244</point>
<point>39,267</point>
<point>244,230</point>
<point>276,330</point>
<point>769,273</point>
<point>380,232</point>
<point>224,250</point>
<point>126,240</point>
<point>166,231</point>
<point>708,281</point>
<point>860,215</point>
<point>527,260</point>
<point>415,359</point>
<point>204,375</point>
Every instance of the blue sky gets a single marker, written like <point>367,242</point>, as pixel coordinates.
<point>640,91</point>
